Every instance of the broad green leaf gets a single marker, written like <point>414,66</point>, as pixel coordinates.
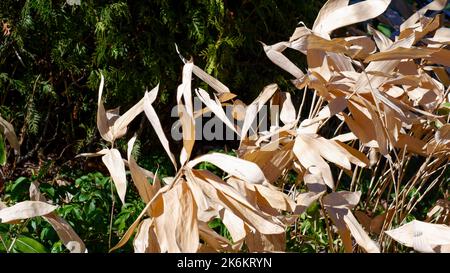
<point>25,244</point>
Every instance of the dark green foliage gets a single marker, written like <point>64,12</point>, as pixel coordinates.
<point>50,62</point>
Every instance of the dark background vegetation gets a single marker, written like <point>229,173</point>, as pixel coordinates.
<point>50,66</point>
<point>51,61</point>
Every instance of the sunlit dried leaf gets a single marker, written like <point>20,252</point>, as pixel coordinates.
<point>24,210</point>
<point>156,124</point>
<point>145,190</point>
<point>274,54</point>
<point>338,205</point>
<point>215,107</point>
<point>256,106</point>
<point>243,169</point>
<point>211,81</point>
<point>400,53</point>
<point>339,14</point>
<point>113,161</point>
<point>423,237</point>
<point>287,114</point>
<point>435,5</point>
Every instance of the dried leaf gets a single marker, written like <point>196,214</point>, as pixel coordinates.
<point>256,106</point>
<point>139,178</point>
<point>287,114</point>
<point>243,169</point>
<point>149,98</point>
<point>339,15</point>
<point>211,81</point>
<point>435,5</point>
<point>400,53</point>
<point>24,210</point>
<point>145,239</point>
<point>338,205</point>
<point>423,237</point>
<point>113,161</point>
<point>215,107</point>
<point>274,54</point>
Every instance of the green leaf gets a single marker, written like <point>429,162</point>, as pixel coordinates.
<point>28,245</point>
<point>19,188</point>
<point>385,30</point>
<point>2,151</point>
<point>444,109</point>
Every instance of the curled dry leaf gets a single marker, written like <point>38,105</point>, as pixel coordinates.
<point>109,123</point>
<point>316,188</point>
<point>337,14</point>
<point>287,114</point>
<point>256,106</point>
<point>435,5</point>
<point>442,135</point>
<point>274,54</point>
<point>421,236</point>
<point>311,150</point>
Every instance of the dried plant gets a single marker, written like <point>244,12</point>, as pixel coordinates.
<point>386,95</point>
<point>386,92</point>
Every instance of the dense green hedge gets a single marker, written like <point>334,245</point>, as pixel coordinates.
<point>50,61</point>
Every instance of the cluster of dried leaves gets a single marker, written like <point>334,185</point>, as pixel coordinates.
<point>386,95</point>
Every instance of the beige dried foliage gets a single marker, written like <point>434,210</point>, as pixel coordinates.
<point>24,210</point>
<point>423,237</point>
<point>386,93</point>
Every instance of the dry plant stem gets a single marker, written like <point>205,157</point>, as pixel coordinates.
<point>111,216</point>
<point>418,174</point>
<point>352,184</point>
<point>330,236</point>
<point>369,193</point>
<point>383,184</point>
<point>396,186</point>
<point>437,179</point>
<point>317,107</point>
<point>402,166</point>
<point>300,109</point>
<point>421,185</point>
<point>361,170</point>
<point>379,188</point>
<point>341,172</point>
<point>312,103</point>
<point>338,128</point>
